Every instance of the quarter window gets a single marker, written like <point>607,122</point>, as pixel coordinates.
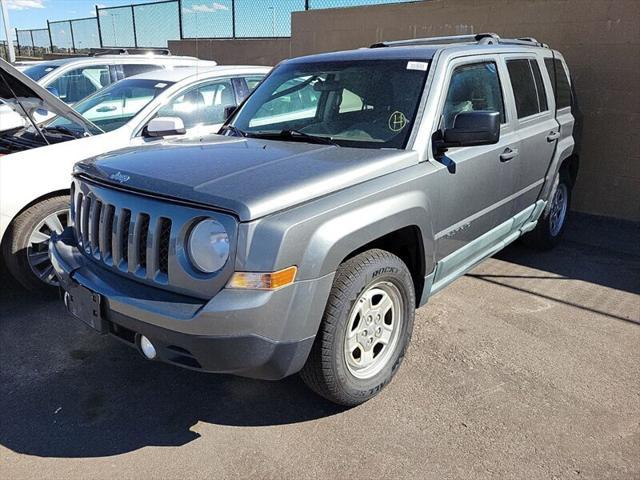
<point>527,85</point>
<point>473,87</point>
<point>563,93</point>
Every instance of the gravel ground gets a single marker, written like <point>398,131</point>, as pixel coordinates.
<point>528,367</point>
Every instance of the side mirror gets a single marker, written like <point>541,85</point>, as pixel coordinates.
<point>229,110</point>
<point>164,126</point>
<point>472,129</point>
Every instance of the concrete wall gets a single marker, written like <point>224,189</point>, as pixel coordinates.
<point>238,51</point>
<point>599,38</point>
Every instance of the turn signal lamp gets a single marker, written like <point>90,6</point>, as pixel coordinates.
<point>263,281</point>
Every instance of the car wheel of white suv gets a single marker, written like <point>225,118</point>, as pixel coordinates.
<point>26,246</point>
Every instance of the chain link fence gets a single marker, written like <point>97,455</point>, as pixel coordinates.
<point>153,24</point>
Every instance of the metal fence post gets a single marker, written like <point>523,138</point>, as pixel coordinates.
<point>306,4</point>
<point>33,44</point>
<point>133,19</point>
<point>73,41</point>
<point>99,28</point>
<point>233,18</point>
<point>180,19</point>
<point>17,42</point>
<point>50,37</point>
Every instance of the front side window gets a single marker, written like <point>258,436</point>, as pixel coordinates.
<point>116,105</point>
<point>201,106</point>
<point>473,87</point>
<point>362,103</point>
<point>78,83</point>
<point>528,89</point>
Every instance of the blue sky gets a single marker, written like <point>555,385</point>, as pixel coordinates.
<point>34,13</point>
<point>201,18</point>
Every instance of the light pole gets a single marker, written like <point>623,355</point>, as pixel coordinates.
<point>273,21</point>
<point>7,29</point>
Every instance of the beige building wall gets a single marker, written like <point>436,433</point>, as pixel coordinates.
<point>600,40</point>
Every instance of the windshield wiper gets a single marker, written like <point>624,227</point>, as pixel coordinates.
<point>294,135</point>
<point>61,129</point>
<point>235,130</point>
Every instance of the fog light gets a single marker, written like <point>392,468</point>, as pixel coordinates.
<point>148,350</point>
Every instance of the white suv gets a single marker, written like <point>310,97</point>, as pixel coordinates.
<point>72,79</point>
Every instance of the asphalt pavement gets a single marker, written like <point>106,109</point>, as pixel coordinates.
<point>526,368</point>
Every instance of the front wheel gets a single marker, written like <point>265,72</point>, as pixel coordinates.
<point>26,246</point>
<point>365,330</point>
<point>553,221</point>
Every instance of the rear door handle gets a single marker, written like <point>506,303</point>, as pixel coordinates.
<point>553,136</point>
<point>508,154</point>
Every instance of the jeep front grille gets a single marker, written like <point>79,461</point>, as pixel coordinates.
<point>117,238</point>
<point>144,238</point>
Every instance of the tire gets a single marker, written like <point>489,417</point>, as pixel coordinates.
<point>553,221</point>
<point>26,252</point>
<point>363,287</point>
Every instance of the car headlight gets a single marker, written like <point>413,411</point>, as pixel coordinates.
<point>208,246</point>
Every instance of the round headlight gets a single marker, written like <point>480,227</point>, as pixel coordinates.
<point>208,246</point>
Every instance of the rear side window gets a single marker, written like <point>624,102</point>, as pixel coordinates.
<point>528,88</point>
<point>542,94</point>
<point>132,69</point>
<point>563,92</point>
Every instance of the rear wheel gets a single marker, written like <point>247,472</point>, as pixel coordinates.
<point>365,330</point>
<point>26,246</point>
<point>553,221</point>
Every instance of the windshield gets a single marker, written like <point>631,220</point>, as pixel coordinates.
<point>36,72</point>
<point>369,104</point>
<point>114,106</point>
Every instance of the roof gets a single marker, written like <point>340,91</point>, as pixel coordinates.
<point>97,59</point>
<point>178,74</point>
<point>399,53</point>
<point>424,48</point>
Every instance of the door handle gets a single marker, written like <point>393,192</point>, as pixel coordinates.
<point>553,136</point>
<point>508,154</point>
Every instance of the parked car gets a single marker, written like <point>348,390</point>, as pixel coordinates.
<point>350,187</point>
<point>72,79</point>
<point>35,164</point>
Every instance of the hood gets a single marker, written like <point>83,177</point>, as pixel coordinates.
<point>250,177</point>
<point>39,102</point>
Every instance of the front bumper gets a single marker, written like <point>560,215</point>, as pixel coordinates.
<point>258,334</point>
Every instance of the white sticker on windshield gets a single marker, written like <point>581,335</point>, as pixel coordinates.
<point>422,66</point>
<point>160,85</point>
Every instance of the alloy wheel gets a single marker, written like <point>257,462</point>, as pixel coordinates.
<point>38,246</point>
<point>373,329</point>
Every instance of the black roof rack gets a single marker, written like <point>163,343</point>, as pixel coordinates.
<point>96,52</point>
<point>479,39</point>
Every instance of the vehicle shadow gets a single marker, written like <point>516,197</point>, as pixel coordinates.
<point>67,392</point>
<point>595,250</point>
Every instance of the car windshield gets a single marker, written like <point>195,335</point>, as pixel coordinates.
<point>368,103</point>
<point>36,72</point>
<point>114,106</point>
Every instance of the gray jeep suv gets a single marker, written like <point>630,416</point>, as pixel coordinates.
<point>344,192</point>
